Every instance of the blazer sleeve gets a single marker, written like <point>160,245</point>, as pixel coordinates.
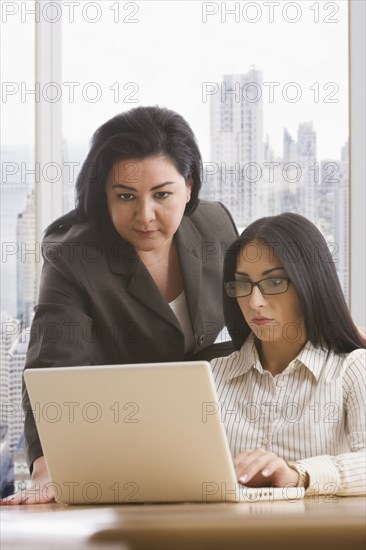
<point>61,335</point>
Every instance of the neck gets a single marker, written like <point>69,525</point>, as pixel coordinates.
<point>155,258</point>
<point>164,268</point>
<point>276,356</point>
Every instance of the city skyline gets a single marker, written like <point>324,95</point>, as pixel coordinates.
<point>23,190</point>
<point>253,182</point>
<point>305,76</point>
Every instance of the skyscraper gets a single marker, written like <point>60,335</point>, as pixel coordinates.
<point>14,344</point>
<point>18,176</point>
<point>10,330</point>
<point>341,218</point>
<point>306,158</point>
<point>237,146</point>
<point>16,361</point>
<point>28,255</point>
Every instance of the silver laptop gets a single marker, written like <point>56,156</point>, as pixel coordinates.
<point>137,433</point>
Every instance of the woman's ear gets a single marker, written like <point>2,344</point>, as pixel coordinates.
<point>189,186</point>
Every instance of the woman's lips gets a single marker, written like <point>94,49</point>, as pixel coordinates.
<point>146,234</point>
<point>261,321</point>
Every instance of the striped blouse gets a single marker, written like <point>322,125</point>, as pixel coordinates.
<point>312,413</point>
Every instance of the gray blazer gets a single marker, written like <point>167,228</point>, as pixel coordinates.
<point>98,303</point>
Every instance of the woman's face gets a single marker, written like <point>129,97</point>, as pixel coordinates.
<point>146,201</point>
<point>272,317</point>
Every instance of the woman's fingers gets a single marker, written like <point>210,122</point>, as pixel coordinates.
<point>250,464</point>
<point>38,493</point>
<point>17,498</point>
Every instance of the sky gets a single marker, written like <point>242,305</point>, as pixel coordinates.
<point>118,55</point>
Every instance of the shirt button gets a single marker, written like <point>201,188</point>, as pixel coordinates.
<point>265,442</point>
<point>200,339</point>
<point>279,382</point>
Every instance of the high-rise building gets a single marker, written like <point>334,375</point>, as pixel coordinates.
<point>237,147</point>
<point>16,360</point>
<point>18,177</point>
<point>9,332</point>
<point>341,219</point>
<point>289,147</point>
<point>6,464</point>
<point>306,159</point>
<point>28,255</point>
<point>14,343</point>
<point>333,214</point>
<point>289,183</point>
<point>272,185</point>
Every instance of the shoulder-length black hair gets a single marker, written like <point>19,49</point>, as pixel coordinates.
<point>136,134</point>
<point>305,256</point>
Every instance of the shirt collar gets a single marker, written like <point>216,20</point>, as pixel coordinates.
<point>247,358</point>
<point>312,358</point>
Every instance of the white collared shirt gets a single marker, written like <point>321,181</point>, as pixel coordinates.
<point>313,412</point>
<point>180,309</point>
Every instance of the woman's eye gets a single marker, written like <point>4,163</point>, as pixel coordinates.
<point>274,282</point>
<point>162,194</point>
<point>126,197</point>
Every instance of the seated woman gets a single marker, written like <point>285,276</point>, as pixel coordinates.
<point>293,394</point>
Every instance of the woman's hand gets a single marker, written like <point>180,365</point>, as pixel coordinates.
<point>41,489</point>
<point>261,468</point>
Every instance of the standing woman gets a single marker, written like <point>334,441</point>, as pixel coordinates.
<point>293,394</point>
<point>134,273</point>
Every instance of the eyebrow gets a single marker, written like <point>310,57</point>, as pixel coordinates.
<point>124,186</point>
<point>267,272</point>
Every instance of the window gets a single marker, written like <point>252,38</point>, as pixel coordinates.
<point>17,160</point>
<point>255,64</point>
<point>19,173</point>
<point>264,86</point>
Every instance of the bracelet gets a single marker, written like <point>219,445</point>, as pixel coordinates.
<point>303,475</point>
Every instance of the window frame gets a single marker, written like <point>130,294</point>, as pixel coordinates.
<point>48,128</point>
<point>49,144</point>
<point>357,172</point>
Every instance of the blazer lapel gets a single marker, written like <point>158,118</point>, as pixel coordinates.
<point>143,288</point>
<point>123,260</point>
<point>190,256</point>
<point>120,254</point>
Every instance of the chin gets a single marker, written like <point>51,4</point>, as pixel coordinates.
<point>265,333</point>
<point>145,247</point>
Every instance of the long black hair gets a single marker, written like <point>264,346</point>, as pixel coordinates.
<point>304,254</point>
<point>136,134</point>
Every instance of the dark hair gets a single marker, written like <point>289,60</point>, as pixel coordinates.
<point>305,256</point>
<point>136,134</point>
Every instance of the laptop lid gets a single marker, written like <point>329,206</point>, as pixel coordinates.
<point>132,433</point>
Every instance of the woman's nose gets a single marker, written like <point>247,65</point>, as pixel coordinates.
<point>145,211</point>
<point>257,299</point>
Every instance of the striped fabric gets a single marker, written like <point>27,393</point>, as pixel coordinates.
<point>313,413</point>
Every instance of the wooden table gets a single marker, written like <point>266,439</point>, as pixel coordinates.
<point>322,523</point>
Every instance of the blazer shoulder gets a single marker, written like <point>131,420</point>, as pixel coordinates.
<point>215,217</point>
<point>78,232</point>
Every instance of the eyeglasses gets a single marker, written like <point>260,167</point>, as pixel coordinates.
<point>273,285</point>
